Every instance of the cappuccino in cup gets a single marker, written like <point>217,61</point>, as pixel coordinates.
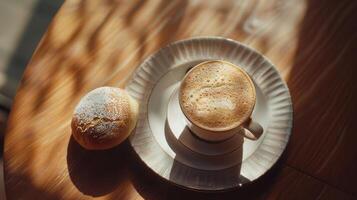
<point>217,99</point>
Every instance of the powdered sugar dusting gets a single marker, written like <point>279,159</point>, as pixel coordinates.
<point>103,109</point>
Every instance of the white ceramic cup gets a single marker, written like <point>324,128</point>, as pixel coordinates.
<point>248,129</point>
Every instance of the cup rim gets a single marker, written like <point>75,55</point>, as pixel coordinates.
<point>224,129</point>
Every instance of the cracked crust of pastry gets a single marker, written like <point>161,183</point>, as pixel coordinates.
<point>102,132</point>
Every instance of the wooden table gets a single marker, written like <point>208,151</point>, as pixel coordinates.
<point>93,43</point>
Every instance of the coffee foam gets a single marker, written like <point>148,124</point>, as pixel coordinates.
<point>217,95</point>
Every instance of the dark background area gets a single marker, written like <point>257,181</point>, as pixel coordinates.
<point>23,23</point>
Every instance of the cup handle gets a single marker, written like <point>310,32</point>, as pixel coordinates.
<point>255,130</point>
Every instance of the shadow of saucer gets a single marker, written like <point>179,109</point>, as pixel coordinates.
<point>96,173</point>
<point>151,186</point>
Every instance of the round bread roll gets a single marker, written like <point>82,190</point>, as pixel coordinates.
<point>104,118</point>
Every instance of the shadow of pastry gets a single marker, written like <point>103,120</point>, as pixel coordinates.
<point>97,173</point>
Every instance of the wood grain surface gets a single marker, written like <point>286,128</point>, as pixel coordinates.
<point>94,43</point>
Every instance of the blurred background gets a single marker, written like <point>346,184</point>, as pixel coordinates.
<point>22,22</point>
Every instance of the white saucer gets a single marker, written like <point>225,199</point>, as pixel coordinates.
<point>166,146</point>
